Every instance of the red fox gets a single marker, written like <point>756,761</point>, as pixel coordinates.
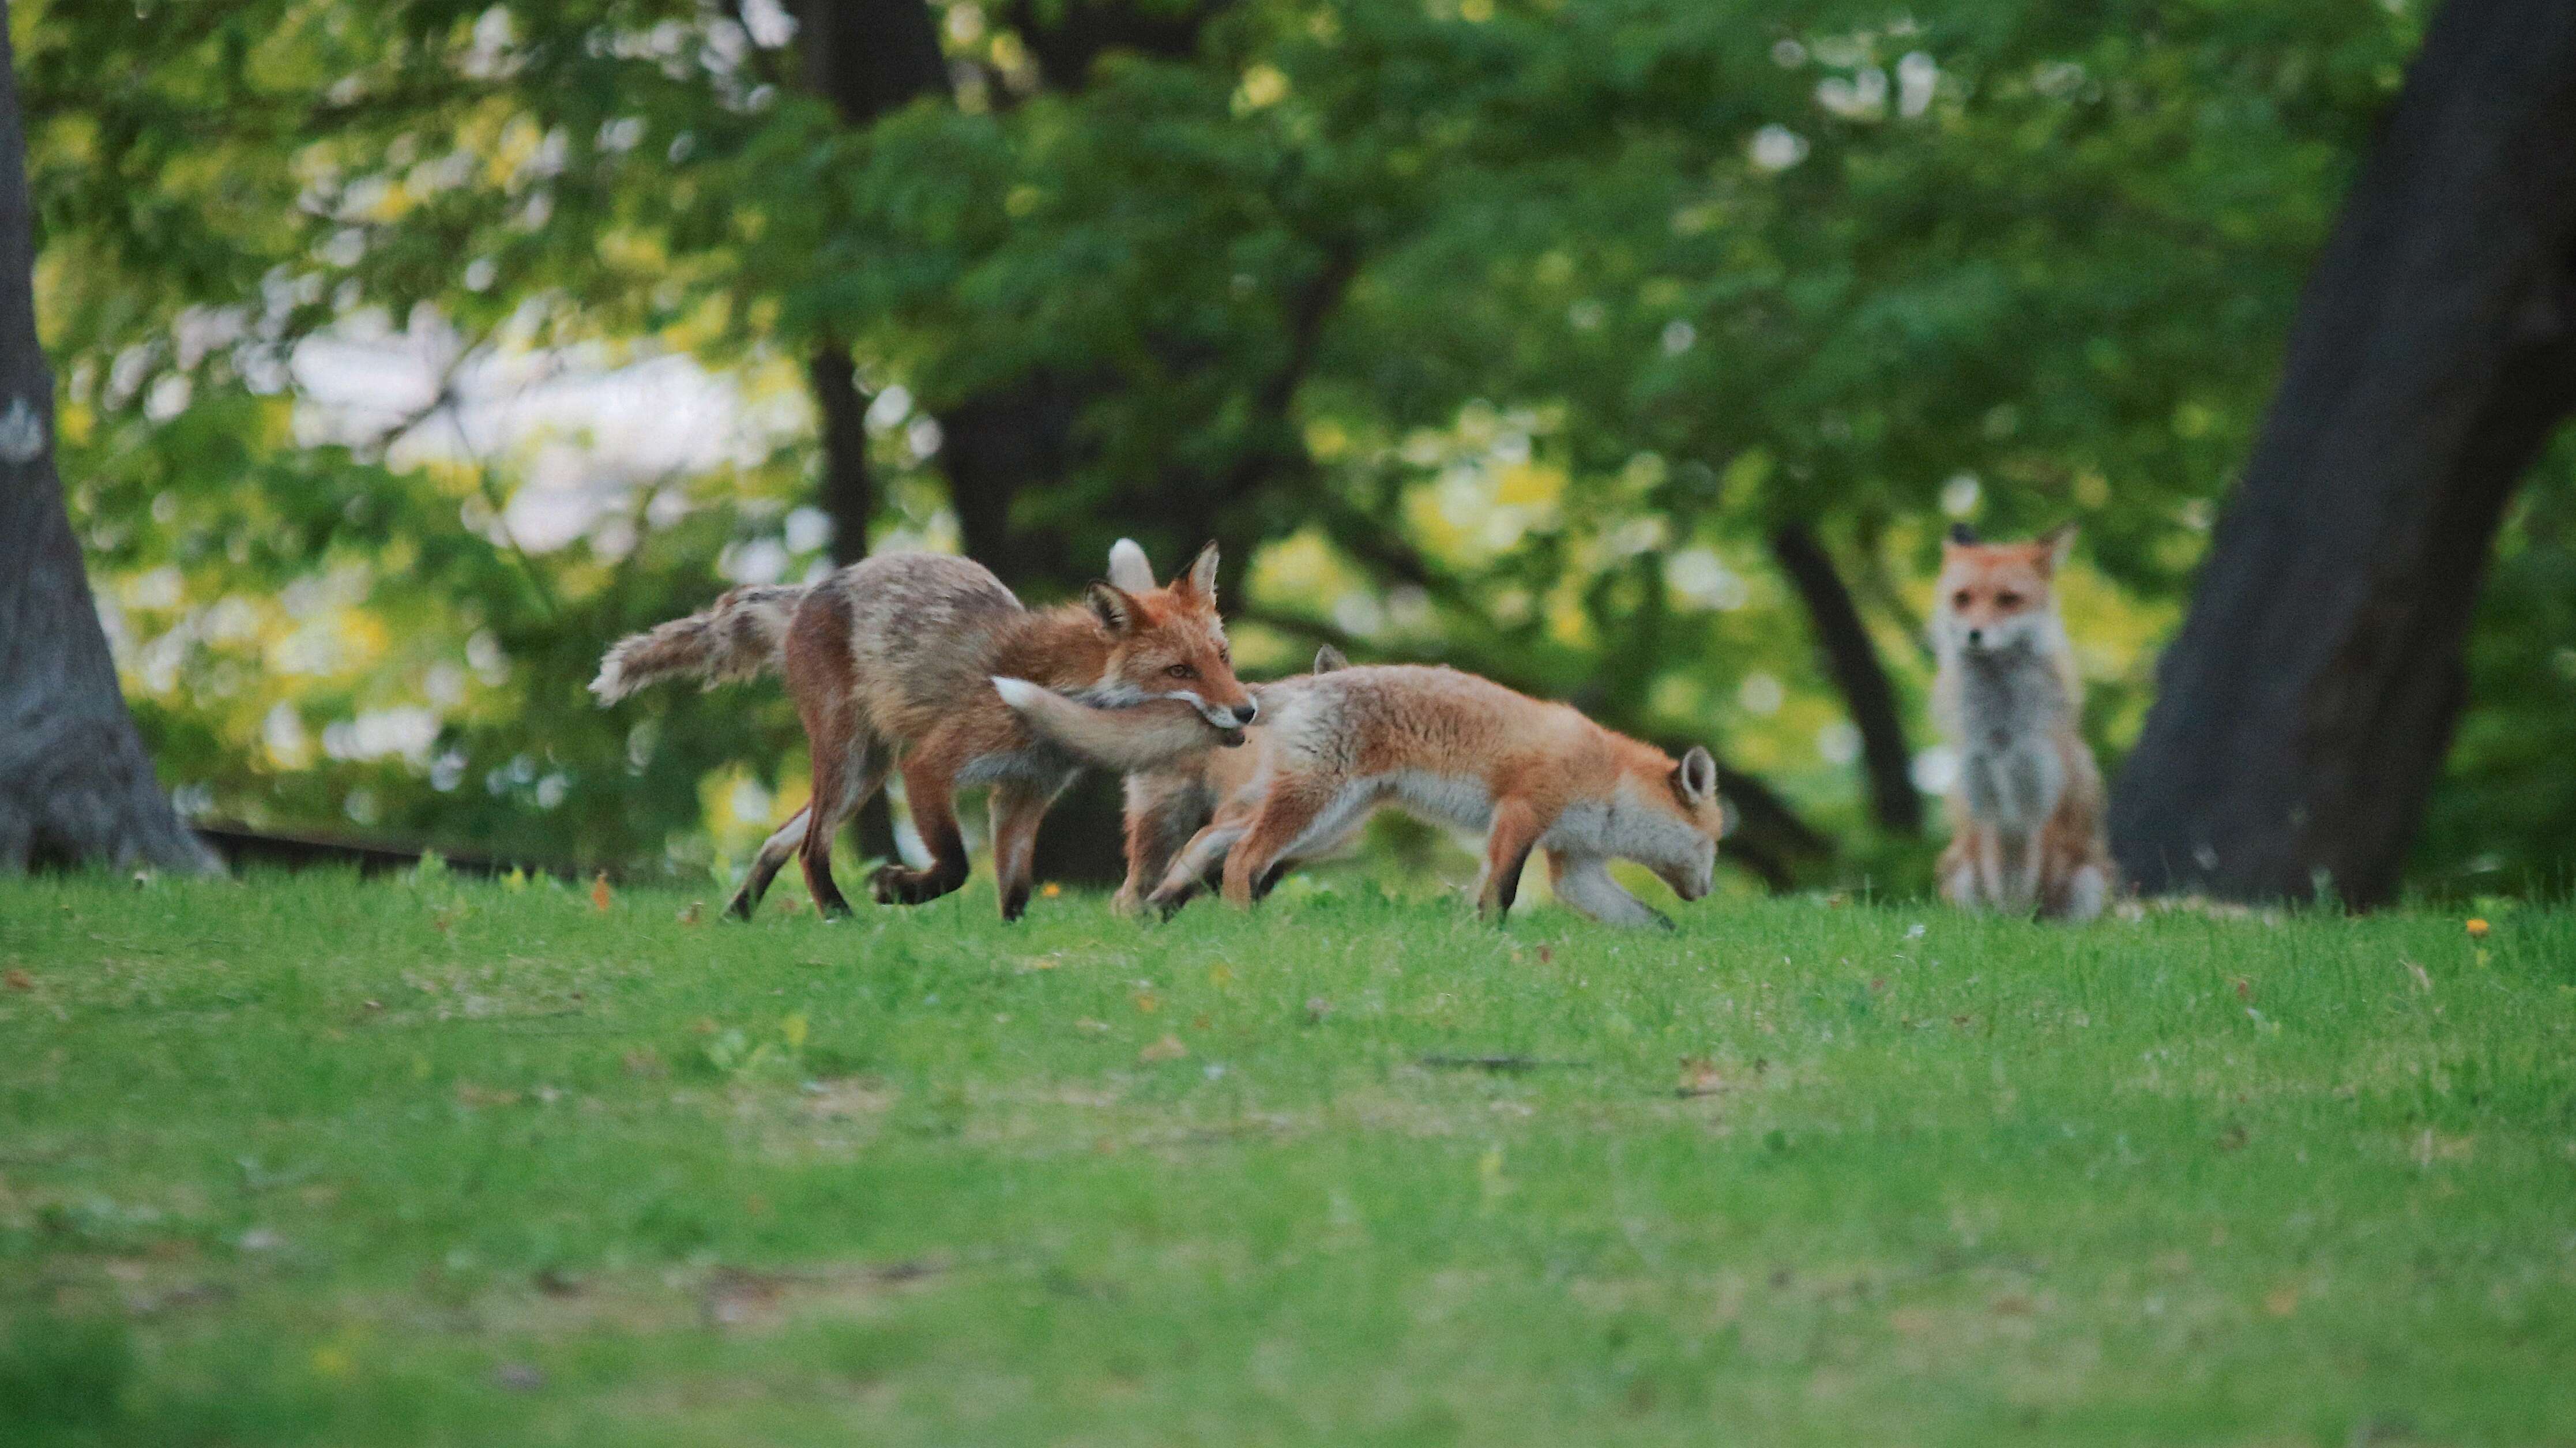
<point>895,654</point>
<point>1169,804</point>
<point>1447,746</point>
<point>2026,810</point>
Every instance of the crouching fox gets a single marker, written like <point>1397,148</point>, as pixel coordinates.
<point>890,663</point>
<point>1443,745</point>
<point>2026,809</point>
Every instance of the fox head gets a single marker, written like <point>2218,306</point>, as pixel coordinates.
<point>1671,823</point>
<point>1166,643</point>
<point>1999,598</point>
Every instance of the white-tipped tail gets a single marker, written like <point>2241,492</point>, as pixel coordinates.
<point>1153,735</point>
<point>1128,567</point>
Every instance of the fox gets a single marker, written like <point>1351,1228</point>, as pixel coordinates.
<point>1441,744</point>
<point>1168,805</point>
<point>2027,805</point>
<point>889,662</point>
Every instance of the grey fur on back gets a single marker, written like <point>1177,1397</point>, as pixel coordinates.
<point>924,629</point>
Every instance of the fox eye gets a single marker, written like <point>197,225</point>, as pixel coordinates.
<point>1959,599</point>
<point>2007,599</point>
<point>1182,671</point>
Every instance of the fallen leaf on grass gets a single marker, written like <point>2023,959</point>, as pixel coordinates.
<point>696,912</point>
<point>2244,989</point>
<point>469,1094</point>
<point>1148,1002</point>
<point>599,893</point>
<point>1699,1078</point>
<point>1167,1049</point>
<point>518,1378</point>
<point>2281,1301</point>
<point>19,980</point>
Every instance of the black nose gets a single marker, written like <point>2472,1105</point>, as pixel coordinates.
<point>1976,636</point>
<point>1247,713</point>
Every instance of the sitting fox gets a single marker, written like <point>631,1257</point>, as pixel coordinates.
<point>1443,745</point>
<point>896,655</point>
<point>2026,810</point>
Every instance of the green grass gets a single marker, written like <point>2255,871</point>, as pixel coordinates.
<point>314,1162</point>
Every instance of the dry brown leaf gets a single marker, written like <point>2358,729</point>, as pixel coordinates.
<point>1167,1049</point>
<point>18,979</point>
<point>696,912</point>
<point>599,893</point>
<point>1699,1077</point>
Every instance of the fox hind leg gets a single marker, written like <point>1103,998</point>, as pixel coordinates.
<point>1189,868</point>
<point>930,788</point>
<point>1288,813</point>
<point>765,866</point>
<point>841,785</point>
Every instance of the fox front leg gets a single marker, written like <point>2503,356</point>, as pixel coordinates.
<point>1508,843</point>
<point>1583,883</point>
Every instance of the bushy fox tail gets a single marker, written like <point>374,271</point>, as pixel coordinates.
<point>742,637</point>
<point>1146,736</point>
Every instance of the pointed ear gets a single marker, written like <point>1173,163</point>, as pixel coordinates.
<point>1329,658</point>
<point>1128,568</point>
<point>2054,545</point>
<point>1115,610</point>
<point>1201,577</point>
<point>1695,778</point>
<point>1959,536</point>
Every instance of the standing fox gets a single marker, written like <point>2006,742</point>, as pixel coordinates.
<point>2026,811</point>
<point>1447,746</point>
<point>896,654</point>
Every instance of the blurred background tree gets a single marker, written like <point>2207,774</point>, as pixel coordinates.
<point>1631,351</point>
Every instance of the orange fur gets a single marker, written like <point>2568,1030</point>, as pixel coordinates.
<point>1335,747</point>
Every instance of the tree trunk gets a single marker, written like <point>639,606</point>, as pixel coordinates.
<point>75,782</point>
<point>2304,711</point>
<point>1887,764</point>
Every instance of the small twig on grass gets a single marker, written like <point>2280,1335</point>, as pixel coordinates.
<point>1497,1063</point>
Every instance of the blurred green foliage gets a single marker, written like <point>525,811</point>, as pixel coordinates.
<point>1511,331</point>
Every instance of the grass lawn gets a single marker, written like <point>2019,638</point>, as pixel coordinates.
<point>437,1162</point>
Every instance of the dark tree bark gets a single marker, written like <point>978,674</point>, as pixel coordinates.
<point>2304,711</point>
<point>866,57</point>
<point>1886,762</point>
<point>75,782</point>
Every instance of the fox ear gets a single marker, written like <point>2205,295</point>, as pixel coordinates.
<point>1115,610</point>
<point>1695,778</point>
<point>1960,536</point>
<point>2054,545</point>
<point>1201,577</point>
<point>1329,658</point>
<point>1128,568</point>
